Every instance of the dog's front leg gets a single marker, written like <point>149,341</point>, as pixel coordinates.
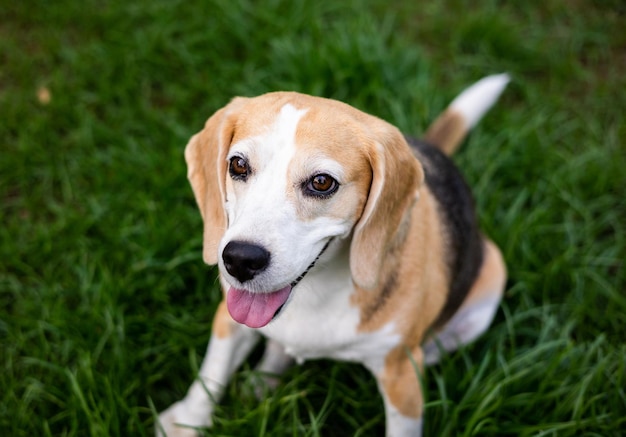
<point>398,382</point>
<point>229,345</point>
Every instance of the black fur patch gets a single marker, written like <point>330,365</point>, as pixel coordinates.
<point>456,208</point>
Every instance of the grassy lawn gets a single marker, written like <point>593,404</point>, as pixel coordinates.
<point>105,304</point>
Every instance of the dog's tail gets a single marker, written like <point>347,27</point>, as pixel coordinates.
<point>450,128</point>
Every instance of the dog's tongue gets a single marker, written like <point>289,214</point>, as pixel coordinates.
<point>255,309</point>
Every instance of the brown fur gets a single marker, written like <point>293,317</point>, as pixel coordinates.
<point>447,132</point>
<point>222,322</point>
<point>419,277</point>
<point>206,162</point>
<point>397,177</point>
<point>492,276</point>
<point>400,383</point>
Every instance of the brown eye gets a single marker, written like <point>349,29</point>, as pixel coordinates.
<point>321,185</point>
<point>239,168</point>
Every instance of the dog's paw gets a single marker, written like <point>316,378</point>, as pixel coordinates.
<point>176,422</point>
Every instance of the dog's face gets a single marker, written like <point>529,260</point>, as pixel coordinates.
<point>280,176</point>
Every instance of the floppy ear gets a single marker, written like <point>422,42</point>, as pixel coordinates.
<point>205,155</point>
<point>396,178</point>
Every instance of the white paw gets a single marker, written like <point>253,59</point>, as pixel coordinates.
<point>176,421</point>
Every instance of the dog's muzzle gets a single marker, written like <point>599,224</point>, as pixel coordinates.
<point>255,309</point>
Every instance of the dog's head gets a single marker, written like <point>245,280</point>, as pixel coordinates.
<point>280,176</point>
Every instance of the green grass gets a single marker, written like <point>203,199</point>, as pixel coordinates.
<point>105,305</point>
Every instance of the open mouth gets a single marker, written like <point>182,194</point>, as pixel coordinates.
<point>256,310</point>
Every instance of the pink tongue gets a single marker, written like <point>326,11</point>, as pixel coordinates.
<point>255,310</point>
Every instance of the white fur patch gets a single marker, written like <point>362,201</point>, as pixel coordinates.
<point>320,322</point>
<point>476,100</point>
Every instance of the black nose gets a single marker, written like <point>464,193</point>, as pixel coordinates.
<point>244,260</point>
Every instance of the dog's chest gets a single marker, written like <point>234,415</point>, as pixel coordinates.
<point>321,322</point>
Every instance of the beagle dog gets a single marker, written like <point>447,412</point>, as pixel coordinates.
<point>338,237</point>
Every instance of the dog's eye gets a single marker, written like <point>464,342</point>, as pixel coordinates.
<point>321,185</point>
<point>239,168</point>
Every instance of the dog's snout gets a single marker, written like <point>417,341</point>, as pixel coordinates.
<point>245,260</point>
